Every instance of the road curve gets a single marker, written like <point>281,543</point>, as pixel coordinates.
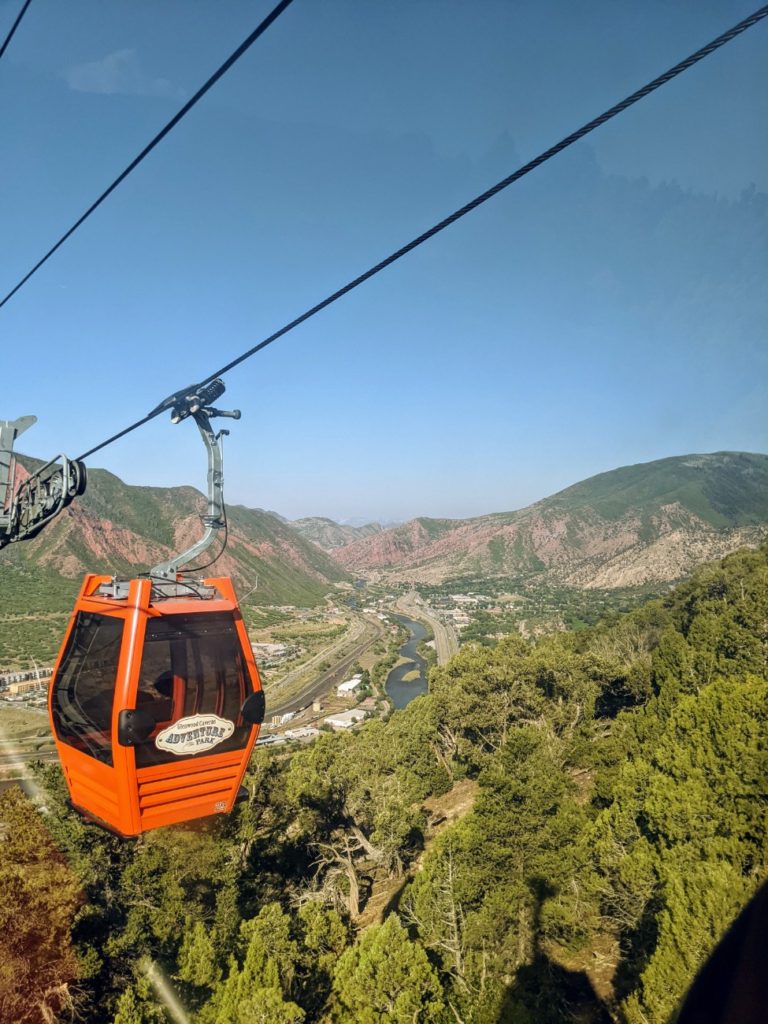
<point>446,641</point>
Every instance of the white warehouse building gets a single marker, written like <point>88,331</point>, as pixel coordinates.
<point>345,719</point>
<point>344,689</point>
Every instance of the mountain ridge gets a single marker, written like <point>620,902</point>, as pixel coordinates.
<point>328,534</point>
<point>651,522</point>
<point>647,523</point>
<point>123,529</point>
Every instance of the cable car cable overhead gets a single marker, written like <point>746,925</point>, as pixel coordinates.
<point>14,26</point>
<point>232,59</point>
<point>494,190</point>
<point>473,204</point>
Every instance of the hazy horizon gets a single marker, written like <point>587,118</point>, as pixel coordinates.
<point>343,519</point>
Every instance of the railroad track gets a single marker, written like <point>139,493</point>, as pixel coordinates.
<point>327,679</point>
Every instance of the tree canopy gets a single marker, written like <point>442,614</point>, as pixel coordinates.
<point>618,827</point>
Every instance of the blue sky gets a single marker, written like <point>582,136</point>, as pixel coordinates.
<point>608,309</point>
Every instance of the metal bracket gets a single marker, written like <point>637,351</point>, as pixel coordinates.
<point>196,402</point>
<point>9,431</point>
<point>41,496</point>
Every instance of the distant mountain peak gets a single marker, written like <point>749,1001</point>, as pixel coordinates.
<point>329,535</point>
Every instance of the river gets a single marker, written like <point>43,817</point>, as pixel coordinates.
<point>401,693</point>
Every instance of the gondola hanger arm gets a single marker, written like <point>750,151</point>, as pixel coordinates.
<point>196,402</point>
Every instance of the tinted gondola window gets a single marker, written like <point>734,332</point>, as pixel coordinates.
<point>193,682</point>
<point>84,687</point>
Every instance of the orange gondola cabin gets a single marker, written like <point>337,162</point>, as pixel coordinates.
<point>155,699</point>
<point>155,702</point>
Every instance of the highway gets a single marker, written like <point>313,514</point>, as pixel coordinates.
<point>446,641</point>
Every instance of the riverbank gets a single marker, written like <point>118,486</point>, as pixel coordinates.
<point>446,640</point>
<point>408,679</point>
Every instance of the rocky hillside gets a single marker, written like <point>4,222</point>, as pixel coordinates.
<point>329,535</point>
<point>121,529</point>
<point>640,524</point>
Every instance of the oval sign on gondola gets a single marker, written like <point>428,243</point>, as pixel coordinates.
<point>194,734</point>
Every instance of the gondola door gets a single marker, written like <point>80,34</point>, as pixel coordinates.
<point>89,686</point>
<point>196,674</point>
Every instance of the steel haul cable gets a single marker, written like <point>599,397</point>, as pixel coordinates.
<point>590,126</point>
<point>232,59</point>
<point>14,26</point>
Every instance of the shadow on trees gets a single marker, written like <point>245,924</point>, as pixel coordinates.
<point>546,992</point>
<point>637,947</point>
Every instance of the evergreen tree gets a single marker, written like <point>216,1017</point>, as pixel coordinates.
<point>700,902</point>
<point>265,977</point>
<point>129,1010</point>
<point>323,938</point>
<point>197,958</point>
<point>704,808</point>
<point>386,979</point>
<point>173,873</point>
<point>136,1005</point>
<point>270,954</point>
<point>267,1006</point>
<point>40,897</point>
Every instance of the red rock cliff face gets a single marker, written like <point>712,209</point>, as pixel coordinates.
<point>123,530</point>
<point>585,547</point>
<point>388,548</point>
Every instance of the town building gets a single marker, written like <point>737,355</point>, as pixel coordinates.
<point>269,655</point>
<point>305,732</point>
<point>345,719</point>
<point>42,674</point>
<point>349,687</point>
<point>26,687</point>
<point>282,719</point>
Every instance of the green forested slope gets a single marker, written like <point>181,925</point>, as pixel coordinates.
<point>722,488</point>
<point>120,529</point>
<point>618,827</point>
